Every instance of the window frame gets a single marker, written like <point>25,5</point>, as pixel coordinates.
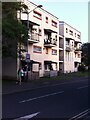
<point>53,52</point>
<point>54,23</point>
<point>35,49</point>
<point>37,15</point>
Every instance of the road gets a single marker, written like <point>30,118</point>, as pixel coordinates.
<point>66,100</point>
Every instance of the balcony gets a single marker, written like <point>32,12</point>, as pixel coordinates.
<point>68,48</point>
<point>77,49</point>
<point>78,60</point>
<point>33,38</point>
<point>50,42</point>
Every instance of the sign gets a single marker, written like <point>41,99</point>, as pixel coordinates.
<point>27,57</point>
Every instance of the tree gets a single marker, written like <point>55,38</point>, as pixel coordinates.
<point>12,28</point>
<point>85,54</point>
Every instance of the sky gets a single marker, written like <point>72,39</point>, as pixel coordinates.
<point>73,12</point>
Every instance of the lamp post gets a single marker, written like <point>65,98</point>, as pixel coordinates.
<point>27,12</point>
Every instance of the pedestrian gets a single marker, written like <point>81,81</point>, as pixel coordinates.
<point>19,76</point>
<point>25,73</point>
<point>22,74</point>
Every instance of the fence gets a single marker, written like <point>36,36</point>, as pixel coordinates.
<point>33,75</point>
<point>50,73</point>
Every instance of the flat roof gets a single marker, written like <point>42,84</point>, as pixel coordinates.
<point>43,9</point>
<point>69,25</point>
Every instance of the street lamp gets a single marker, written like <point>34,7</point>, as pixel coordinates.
<point>27,12</point>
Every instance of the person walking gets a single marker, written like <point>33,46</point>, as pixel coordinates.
<point>25,73</point>
<point>22,74</point>
<point>19,76</point>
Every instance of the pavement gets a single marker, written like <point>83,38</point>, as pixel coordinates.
<point>10,87</point>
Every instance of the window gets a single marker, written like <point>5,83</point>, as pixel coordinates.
<point>54,23</point>
<point>40,32</point>
<point>75,34</point>
<point>37,49</point>
<point>79,46</point>
<point>34,30</point>
<point>67,43</point>
<point>37,15</point>
<point>79,56</point>
<point>46,19</point>
<point>46,50</point>
<point>66,30</point>
<point>45,66</point>
<point>40,66</point>
<point>71,32</point>
<point>78,36</point>
<point>54,52</point>
<point>72,44</point>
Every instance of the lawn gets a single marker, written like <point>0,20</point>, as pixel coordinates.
<point>63,76</point>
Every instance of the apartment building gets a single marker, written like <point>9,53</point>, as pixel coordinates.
<point>71,53</point>
<point>43,41</point>
<point>52,47</point>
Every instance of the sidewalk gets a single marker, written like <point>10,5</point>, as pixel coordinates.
<point>11,86</point>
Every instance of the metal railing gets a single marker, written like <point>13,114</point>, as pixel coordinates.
<point>34,37</point>
<point>68,48</point>
<point>77,49</point>
<point>50,41</point>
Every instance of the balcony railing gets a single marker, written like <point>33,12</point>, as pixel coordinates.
<point>77,59</point>
<point>50,73</point>
<point>77,49</point>
<point>68,48</point>
<point>33,38</point>
<point>50,42</point>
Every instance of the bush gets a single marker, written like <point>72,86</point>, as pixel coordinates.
<point>81,68</point>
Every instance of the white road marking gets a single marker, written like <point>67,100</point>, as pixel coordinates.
<point>27,116</point>
<point>82,87</point>
<point>80,115</point>
<point>31,99</point>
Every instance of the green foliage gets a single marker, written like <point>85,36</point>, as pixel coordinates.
<point>85,54</point>
<point>81,68</point>
<point>12,28</point>
<point>9,9</point>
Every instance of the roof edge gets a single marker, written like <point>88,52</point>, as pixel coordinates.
<point>69,25</point>
<point>43,9</point>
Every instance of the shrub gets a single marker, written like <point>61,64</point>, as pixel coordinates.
<point>81,68</point>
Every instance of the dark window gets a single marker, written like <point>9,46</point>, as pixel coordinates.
<point>46,19</point>
<point>66,30</point>
<point>37,49</point>
<point>54,52</point>
<point>37,15</point>
<point>54,23</point>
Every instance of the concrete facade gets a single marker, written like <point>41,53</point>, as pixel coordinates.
<point>71,46</point>
<point>51,46</point>
<point>43,42</point>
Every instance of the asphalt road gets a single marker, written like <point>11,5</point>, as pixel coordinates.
<point>67,100</point>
